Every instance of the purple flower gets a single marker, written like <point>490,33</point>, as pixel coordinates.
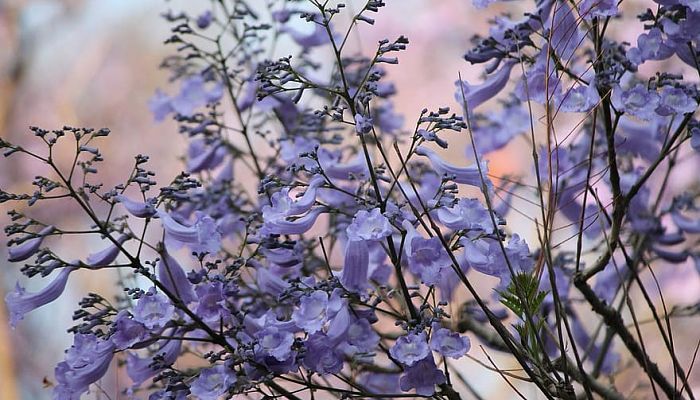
<point>86,362</point>
<point>322,356</point>
<point>153,310</point>
<point>650,46</point>
<point>295,227</point>
<point>481,4</point>
<point>340,322</point>
<point>269,282</point>
<point>466,214</point>
<point>675,101</point>
<point>275,342</point>
<point>127,332</point>
<point>29,247</point>
<point>361,335</point>
<point>202,236</point>
<point>608,282</point>
<point>422,376</point>
<point>380,383</point>
<point>214,382</point>
<point>284,257</point>
<point>448,343</point>
<point>173,277</point>
<point>638,101</point>
<point>311,314</point>
<point>684,223</point>
<point>203,156</point>
<point>193,94</point>
<point>387,119</point>
<point>565,36</point>
<point>292,148</point>
<point>283,206</point>
<point>475,95</point>
<point>21,302</point>
<point>695,139</point>
<point>370,225</point>
<point>363,124</point>
<point>427,259</point>
<point>169,394</point>
<point>580,99</point>
<point>107,255</point>
<point>410,349</point>
<point>675,257</point>
<point>317,36</point>
<point>598,8</point>
<point>542,83</point>
<point>160,105</point>
<point>485,255</point>
<point>355,271</point>
<point>584,340</point>
<point>502,127</point>
<point>334,168</point>
<point>136,208</point>
<point>464,175</point>
<point>211,303</point>
<point>140,369</point>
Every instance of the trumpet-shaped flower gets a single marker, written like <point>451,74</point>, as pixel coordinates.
<point>21,302</point>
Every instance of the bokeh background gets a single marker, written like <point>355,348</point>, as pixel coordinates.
<point>94,63</point>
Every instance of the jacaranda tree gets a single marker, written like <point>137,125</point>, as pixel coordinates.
<point>320,245</point>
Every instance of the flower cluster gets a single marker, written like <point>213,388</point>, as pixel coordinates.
<point>316,243</point>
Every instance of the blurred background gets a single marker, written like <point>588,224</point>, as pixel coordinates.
<point>94,63</point>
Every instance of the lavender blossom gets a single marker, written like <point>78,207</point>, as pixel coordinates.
<point>242,278</point>
<point>448,343</point>
<point>427,259</point>
<point>174,279</point>
<point>422,376</point>
<point>465,175</point>
<point>410,349</point>
<point>160,105</point>
<point>275,342</point>
<point>590,9</point>
<point>141,369</point>
<point>127,331</point>
<point>311,314</point>
<point>107,255</point>
<point>675,101</point>
<point>298,226</point>
<point>30,246</point>
<point>650,46</point>
<point>638,101</point>
<point>193,94</point>
<point>211,302</point>
<point>317,36</point>
<point>369,225</point>
<point>19,302</point>
<point>153,310</point>
<point>213,382</point>
<point>322,356</point>
<point>580,99</point>
<point>135,208</point>
<point>475,95</point>
<point>201,236</point>
<point>466,214</point>
<point>86,362</point>
<point>356,269</point>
